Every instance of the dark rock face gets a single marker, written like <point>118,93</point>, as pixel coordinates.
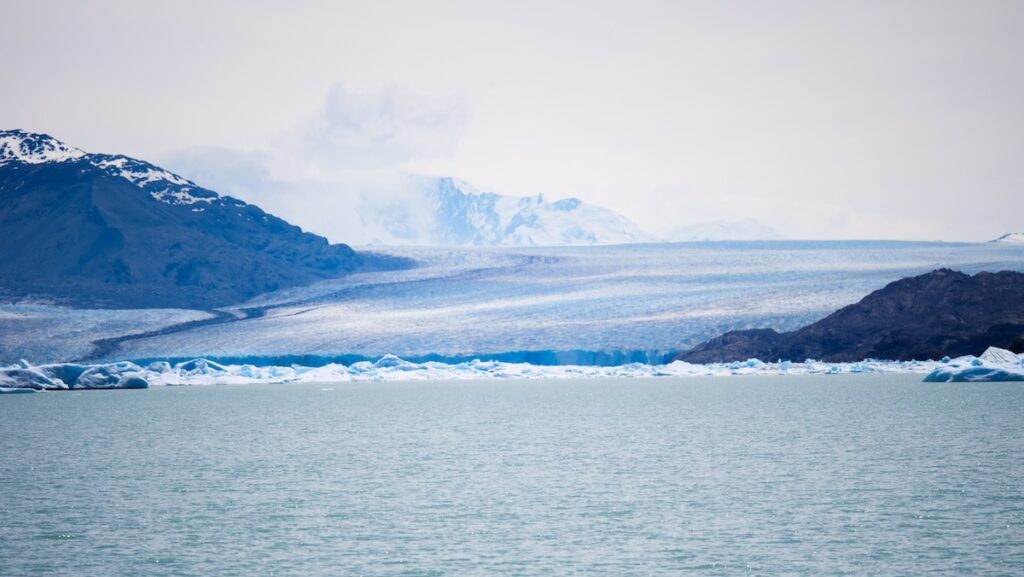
<point>102,230</point>
<point>941,313</point>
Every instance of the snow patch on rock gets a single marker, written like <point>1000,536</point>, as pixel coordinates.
<point>31,148</point>
<point>162,185</point>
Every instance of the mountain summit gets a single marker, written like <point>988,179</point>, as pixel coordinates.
<point>110,230</point>
<point>463,215</point>
<point>388,208</point>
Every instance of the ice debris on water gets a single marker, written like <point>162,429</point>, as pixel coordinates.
<point>993,365</point>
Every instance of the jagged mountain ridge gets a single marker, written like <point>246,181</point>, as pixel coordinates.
<point>465,215</point>
<point>110,230</point>
<point>941,313</point>
<point>394,208</point>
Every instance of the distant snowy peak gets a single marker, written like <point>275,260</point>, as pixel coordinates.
<point>32,148</point>
<point>724,230</point>
<point>467,216</point>
<point>162,185</point>
<point>1011,238</point>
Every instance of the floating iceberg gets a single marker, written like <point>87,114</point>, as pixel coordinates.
<point>122,375</point>
<point>994,364</point>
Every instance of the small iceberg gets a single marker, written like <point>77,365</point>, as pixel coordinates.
<point>200,367</point>
<point>994,365</point>
<point>13,391</point>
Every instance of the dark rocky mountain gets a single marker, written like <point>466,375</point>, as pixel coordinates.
<point>941,313</point>
<point>108,230</point>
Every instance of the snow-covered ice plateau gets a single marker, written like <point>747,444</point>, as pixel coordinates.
<point>572,305</point>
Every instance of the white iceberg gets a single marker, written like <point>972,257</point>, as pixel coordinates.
<point>994,365</point>
<point>67,376</point>
<point>1000,356</point>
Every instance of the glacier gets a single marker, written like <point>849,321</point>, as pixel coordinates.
<point>602,305</point>
<point>633,301</point>
<point>40,330</point>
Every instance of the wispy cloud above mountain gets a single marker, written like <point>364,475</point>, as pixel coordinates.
<point>383,130</point>
<point>348,173</point>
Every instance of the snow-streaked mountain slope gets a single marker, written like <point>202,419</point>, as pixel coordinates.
<point>1011,238</point>
<point>33,148</point>
<point>719,230</point>
<point>117,232</point>
<point>463,302</point>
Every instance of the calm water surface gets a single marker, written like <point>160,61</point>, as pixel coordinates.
<point>823,475</point>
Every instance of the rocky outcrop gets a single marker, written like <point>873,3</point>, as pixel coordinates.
<point>112,231</point>
<point>941,313</point>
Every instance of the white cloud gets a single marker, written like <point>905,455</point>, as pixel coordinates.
<point>343,172</point>
<point>380,131</point>
<point>861,119</point>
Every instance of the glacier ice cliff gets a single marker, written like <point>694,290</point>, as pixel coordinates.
<point>69,376</point>
<point>127,375</point>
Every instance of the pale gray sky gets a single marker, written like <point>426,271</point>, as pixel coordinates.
<point>859,119</point>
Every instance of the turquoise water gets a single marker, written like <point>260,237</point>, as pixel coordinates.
<point>820,475</point>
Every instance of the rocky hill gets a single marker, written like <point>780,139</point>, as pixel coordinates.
<point>941,313</point>
<point>109,230</point>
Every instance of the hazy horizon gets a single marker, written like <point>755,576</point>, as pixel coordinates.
<point>866,120</point>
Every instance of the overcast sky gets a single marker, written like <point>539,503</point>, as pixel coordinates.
<point>861,119</point>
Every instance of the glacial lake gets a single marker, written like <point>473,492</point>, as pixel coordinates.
<point>814,475</point>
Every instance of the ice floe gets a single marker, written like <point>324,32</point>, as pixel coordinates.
<point>68,376</point>
<point>994,364</point>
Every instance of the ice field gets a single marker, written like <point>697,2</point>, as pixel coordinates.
<point>41,331</point>
<point>565,305</point>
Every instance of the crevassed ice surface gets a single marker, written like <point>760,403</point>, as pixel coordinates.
<point>41,331</point>
<point>661,297</point>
